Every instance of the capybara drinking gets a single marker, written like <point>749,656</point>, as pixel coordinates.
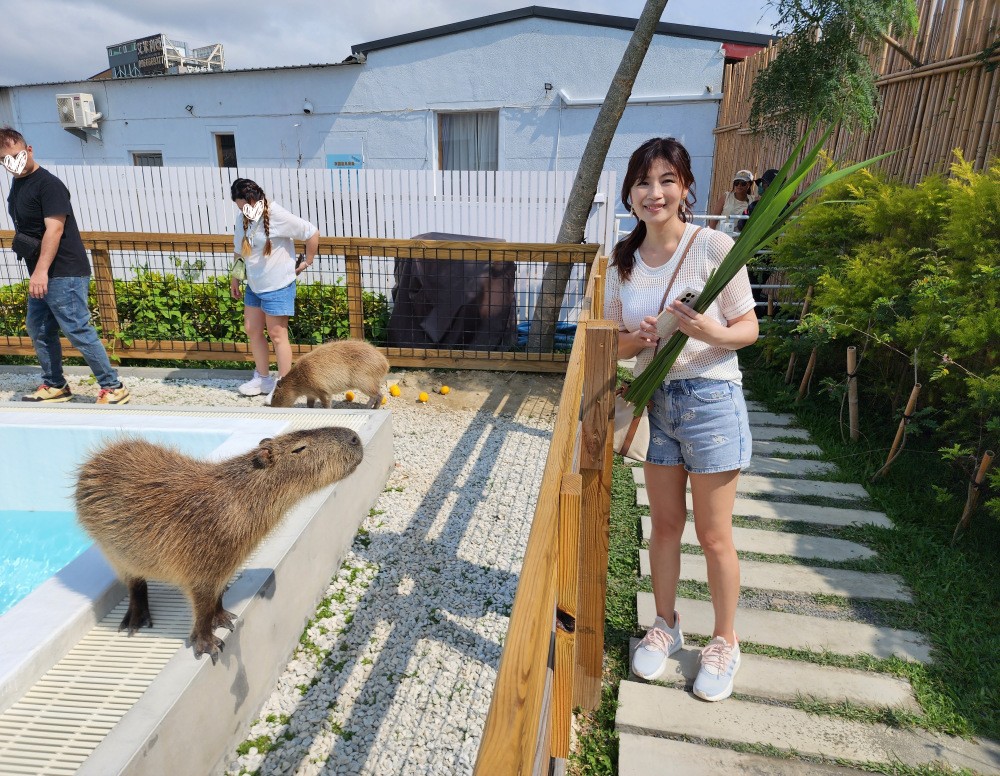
<point>159,514</point>
<point>331,368</point>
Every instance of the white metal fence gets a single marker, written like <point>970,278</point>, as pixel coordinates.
<point>516,206</point>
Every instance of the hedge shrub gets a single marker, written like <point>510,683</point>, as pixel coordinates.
<point>911,275</point>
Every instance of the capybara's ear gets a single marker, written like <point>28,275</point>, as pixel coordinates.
<point>264,456</point>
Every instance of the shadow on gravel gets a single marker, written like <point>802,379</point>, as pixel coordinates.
<point>427,553</point>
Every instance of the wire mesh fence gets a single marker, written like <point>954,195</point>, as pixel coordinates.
<point>426,302</point>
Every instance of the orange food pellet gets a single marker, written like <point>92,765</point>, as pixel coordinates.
<point>445,390</point>
<point>394,390</point>
<point>349,396</point>
<point>423,397</point>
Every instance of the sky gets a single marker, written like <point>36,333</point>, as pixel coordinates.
<point>66,40</point>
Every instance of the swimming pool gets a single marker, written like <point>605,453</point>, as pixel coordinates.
<point>39,534</point>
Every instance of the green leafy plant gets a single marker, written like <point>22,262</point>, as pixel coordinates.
<point>773,210</point>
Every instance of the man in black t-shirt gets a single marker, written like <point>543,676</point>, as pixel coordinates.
<point>59,275</point>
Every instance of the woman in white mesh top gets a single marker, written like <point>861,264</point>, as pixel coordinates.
<point>698,420</point>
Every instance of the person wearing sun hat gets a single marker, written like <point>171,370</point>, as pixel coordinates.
<point>762,183</point>
<point>734,201</point>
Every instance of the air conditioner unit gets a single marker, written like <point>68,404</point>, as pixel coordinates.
<point>77,111</point>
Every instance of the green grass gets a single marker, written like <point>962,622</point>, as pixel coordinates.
<point>954,589</point>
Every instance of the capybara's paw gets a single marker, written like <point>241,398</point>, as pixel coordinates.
<point>133,620</point>
<point>209,645</point>
<point>224,619</point>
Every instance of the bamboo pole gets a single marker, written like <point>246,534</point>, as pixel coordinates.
<point>852,392</point>
<point>897,443</point>
<point>807,376</point>
<point>790,372</point>
<point>972,498</point>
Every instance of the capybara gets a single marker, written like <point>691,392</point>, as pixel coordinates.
<point>331,368</point>
<point>159,514</point>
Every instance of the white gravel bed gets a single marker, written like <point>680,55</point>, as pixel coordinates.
<point>395,672</point>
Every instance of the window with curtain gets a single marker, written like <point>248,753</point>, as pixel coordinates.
<point>469,141</point>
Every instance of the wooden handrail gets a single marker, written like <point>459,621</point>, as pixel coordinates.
<point>520,735</point>
<point>583,253</point>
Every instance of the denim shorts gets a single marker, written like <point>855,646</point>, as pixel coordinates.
<point>701,424</point>
<point>279,302</point>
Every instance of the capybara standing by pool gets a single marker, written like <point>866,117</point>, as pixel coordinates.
<point>159,514</point>
<point>331,368</point>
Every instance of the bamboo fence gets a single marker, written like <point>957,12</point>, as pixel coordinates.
<point>949,102</point>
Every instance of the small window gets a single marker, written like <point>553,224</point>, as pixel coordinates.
<point>147,159</point>
<point>469,141</point>
<point>225,148</point>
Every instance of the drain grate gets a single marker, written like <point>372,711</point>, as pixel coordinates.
<point>55,726</point>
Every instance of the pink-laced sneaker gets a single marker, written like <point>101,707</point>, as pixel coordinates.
<point>660,642</point>
<point>720,661</point>
<point>119,395</point>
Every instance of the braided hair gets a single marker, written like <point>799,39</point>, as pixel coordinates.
<point>246,189</point>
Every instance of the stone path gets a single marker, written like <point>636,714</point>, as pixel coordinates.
<point>663,728</point>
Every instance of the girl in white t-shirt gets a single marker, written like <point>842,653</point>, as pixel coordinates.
<point>699,430</point>
<point>265,237</point>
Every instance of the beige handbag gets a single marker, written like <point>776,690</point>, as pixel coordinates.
<point>632,431</point>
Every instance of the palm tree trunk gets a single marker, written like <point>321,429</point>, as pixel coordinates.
<point>541,335</point>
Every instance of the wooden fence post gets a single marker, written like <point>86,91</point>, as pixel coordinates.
<point>600,362</point>
<point>104,284</point>
<point>355,307</point>
<point>567,587</point>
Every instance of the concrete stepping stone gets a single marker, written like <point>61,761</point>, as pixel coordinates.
<point>665,712</point>
<point>644,755</point>
<point>775,432</point>
<point>791,578</point>
<point>758,418</point>
<point>780,543</point>
<point>768,447</point>
<point>768,465</point>
<point>787,467</point>
<point>782,486</point>
<point>778,679</point>
<point>806,513</point>
<point>802,513</point>
<point>796,631</point>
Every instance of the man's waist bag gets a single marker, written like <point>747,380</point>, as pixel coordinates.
<point>25,246</point>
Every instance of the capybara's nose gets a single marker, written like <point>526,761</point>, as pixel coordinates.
<point>355,440</point>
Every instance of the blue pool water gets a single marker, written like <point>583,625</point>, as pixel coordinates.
<point>38,529</point>
<point>33,547</point>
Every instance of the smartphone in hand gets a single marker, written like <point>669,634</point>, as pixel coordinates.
<point>666,321</point>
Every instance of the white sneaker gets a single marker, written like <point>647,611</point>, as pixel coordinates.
<point>720,661</point>
<point>257,385</point>
<point>659,643</point>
